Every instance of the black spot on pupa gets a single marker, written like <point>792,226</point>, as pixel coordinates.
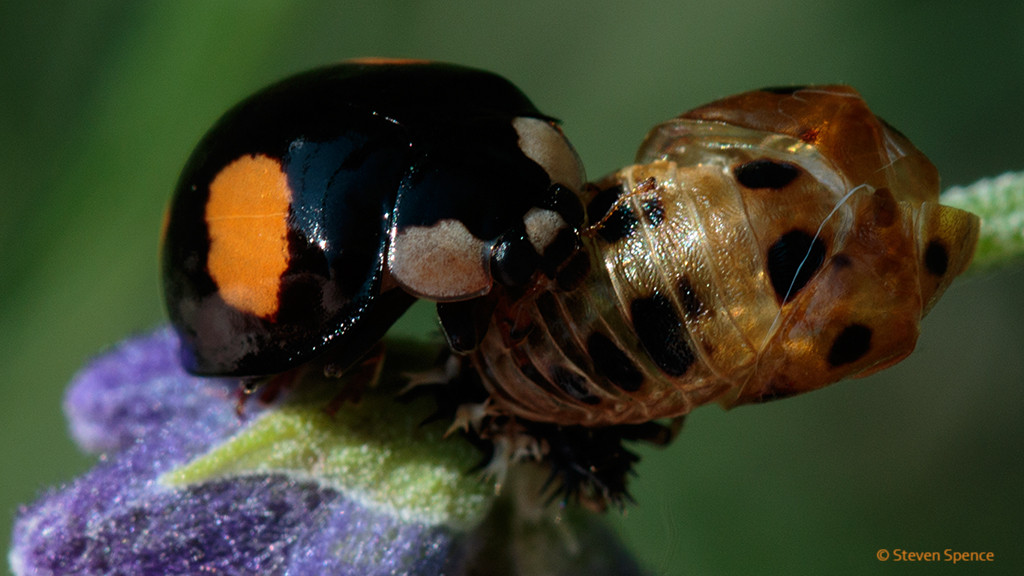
<point>620,223</point>
<point>603,201</point>
<point>851,345</point>
<point>936,258</point>
<point>766,173</point>
<point>692,304</point>
<point>792,260</point>
<point>783,90</point>
<point>662,334</point>
<point>612,363</point>
<point>573,384</point>
<point>654,210</point>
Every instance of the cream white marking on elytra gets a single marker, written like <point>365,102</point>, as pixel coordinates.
<point>441,262</point>
<point>542,227</point>
<point>543,143</point>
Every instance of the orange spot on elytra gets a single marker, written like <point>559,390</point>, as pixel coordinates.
<point>247,218</point>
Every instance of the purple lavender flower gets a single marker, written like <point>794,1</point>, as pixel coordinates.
<point>185,485</point>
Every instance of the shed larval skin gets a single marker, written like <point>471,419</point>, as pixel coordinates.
<point>763,245</point>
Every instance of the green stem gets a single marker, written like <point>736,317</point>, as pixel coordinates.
<point>999,202</point>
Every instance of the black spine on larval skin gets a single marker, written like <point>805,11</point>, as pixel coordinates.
<point>588,463</point>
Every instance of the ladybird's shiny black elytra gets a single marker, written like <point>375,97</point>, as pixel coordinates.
<point>315,212</point>
<point>763,245</point>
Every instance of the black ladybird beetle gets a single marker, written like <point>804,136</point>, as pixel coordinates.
<point>763,245</point>
<point>315,212</point>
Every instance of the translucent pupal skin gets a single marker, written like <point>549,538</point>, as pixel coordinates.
<point>763,245</point>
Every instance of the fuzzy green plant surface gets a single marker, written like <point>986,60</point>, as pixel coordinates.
<point>999,201</point>
<point>306,483</point>
<point>375,450</point>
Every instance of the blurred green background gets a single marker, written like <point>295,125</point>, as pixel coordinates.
<point>101,102</point>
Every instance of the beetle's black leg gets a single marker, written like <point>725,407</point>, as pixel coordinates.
<point>364,374</point>
<point>465,323</point>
